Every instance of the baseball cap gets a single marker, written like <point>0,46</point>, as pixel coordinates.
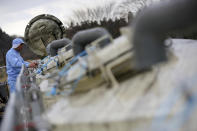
<point>16,42</point>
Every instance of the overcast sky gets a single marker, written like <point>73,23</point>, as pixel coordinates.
<point>15,14</point>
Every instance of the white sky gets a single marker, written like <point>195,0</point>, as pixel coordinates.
<point>15,14</point>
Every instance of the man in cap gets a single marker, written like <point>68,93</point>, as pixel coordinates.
<point>14,62</point>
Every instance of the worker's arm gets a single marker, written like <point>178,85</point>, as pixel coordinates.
<point>33,65</point>
<point>26,63</point>
<point>16,62</point>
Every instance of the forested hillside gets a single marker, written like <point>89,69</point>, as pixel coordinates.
<point>5,45</point>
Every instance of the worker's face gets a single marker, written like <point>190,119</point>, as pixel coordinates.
<point>20,47</point>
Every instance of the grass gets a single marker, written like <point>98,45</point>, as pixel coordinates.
<point>3,75</point>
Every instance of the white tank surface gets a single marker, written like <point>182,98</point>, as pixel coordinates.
<point>96,85</point>
<point>148,100</point>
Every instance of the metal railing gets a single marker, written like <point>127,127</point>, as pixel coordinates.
<point>25,106</point>
<point>2,67</point>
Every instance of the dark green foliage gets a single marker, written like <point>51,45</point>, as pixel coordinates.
<point>113,16</point>
<point>108,16</point>
<point>112,26</point>
<point>6,44</point>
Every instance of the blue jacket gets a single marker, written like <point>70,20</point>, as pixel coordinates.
<point>14,63</point>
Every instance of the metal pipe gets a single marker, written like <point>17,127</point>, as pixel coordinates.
<point>85,37</point>
<point>53,47</point>
<point>152,25</point>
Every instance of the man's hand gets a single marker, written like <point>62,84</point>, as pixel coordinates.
<point>33,65</point>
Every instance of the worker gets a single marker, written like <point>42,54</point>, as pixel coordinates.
<point>14,63</point>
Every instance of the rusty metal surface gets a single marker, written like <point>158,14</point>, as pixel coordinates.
<point>42,30</point>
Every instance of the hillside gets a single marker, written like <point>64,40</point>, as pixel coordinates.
<point>5,44</point>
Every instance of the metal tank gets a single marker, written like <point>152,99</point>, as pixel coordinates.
<point>101,88</point>
<point>42,30</point>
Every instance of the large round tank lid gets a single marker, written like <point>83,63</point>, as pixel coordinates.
<point>42,30</point>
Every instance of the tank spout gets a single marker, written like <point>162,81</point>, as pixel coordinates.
<point>152,25</point>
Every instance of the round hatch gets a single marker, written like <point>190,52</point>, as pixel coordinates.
<point>42,30</point>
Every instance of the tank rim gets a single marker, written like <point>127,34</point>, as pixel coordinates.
<point>46,17</point>
<point>43,16</point>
